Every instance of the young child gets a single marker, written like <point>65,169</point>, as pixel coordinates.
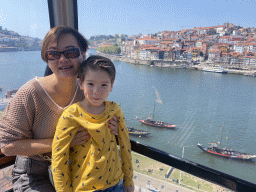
<point>96,165</point>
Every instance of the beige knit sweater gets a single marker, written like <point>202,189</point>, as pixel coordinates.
<point>31,114</point>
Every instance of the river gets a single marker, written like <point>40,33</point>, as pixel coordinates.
<point>200,102</point>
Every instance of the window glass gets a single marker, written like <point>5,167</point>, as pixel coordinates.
<point>23,25</point>
<point>184,39</point>
<point>208,107</point>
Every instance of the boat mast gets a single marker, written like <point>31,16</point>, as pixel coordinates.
<point>221,134</point>
<point>154,111</point>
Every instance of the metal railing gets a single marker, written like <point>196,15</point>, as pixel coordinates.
<point>203,172</point>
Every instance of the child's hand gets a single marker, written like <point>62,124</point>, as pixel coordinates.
<point>81,137</point>
<point>112,124</point>
<point>129,189</point>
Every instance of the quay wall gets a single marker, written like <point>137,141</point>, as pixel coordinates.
<point>12,49</point>
<point>158,63</point>
<point>8,49</point>
<point>125,59</point>
<point>233,69</point>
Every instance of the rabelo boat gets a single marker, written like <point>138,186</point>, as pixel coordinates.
<point>151,122</point>
<point>137,132</point>
<point>225,152</point>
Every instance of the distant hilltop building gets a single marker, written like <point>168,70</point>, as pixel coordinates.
<point>5,48</point>
<point>12,41</point>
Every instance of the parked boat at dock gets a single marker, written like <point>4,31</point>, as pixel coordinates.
<point>252,74</point>
<point>137,132</point>
<point>215,69</point>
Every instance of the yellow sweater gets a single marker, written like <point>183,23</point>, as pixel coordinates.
<point>96,165</point>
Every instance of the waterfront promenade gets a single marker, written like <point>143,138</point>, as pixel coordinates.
<point>180,64</point>
<point>146,183</point>
<point>155,180</point>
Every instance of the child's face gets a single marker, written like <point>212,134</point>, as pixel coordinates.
<point>96,86</point>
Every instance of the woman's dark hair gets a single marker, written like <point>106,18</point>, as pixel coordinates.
<point>97,62</point>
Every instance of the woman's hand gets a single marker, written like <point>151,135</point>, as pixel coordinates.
<point>81,137</point>
<point>113,125</point>
<point>82,134</point>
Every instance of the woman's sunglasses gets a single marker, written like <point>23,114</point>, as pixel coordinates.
<point>69,53</point>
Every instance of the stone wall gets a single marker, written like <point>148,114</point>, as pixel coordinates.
<point>125,59</point>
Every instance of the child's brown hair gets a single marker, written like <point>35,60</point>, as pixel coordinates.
<point>97,62</point>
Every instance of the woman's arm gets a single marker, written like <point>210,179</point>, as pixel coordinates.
<point>17,122</point>
<point>28,147</point>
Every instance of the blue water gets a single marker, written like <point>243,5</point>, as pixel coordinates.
<point>200,102</point>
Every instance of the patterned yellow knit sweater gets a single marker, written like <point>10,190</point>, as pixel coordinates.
<point>96,165</point>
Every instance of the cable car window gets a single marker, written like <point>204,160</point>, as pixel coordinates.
<point>185,71</point>
<point>184,75</point>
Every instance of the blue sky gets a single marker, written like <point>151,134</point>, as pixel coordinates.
<point>131,17</point>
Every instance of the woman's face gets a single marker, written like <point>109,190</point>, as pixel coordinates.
<point>64,67</point>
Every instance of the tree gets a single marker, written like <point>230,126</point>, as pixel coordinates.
<point>110,49</point>
<point>124,36</point>
<point>110,37</point>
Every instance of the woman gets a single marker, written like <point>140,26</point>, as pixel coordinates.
<point>29,121</point>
